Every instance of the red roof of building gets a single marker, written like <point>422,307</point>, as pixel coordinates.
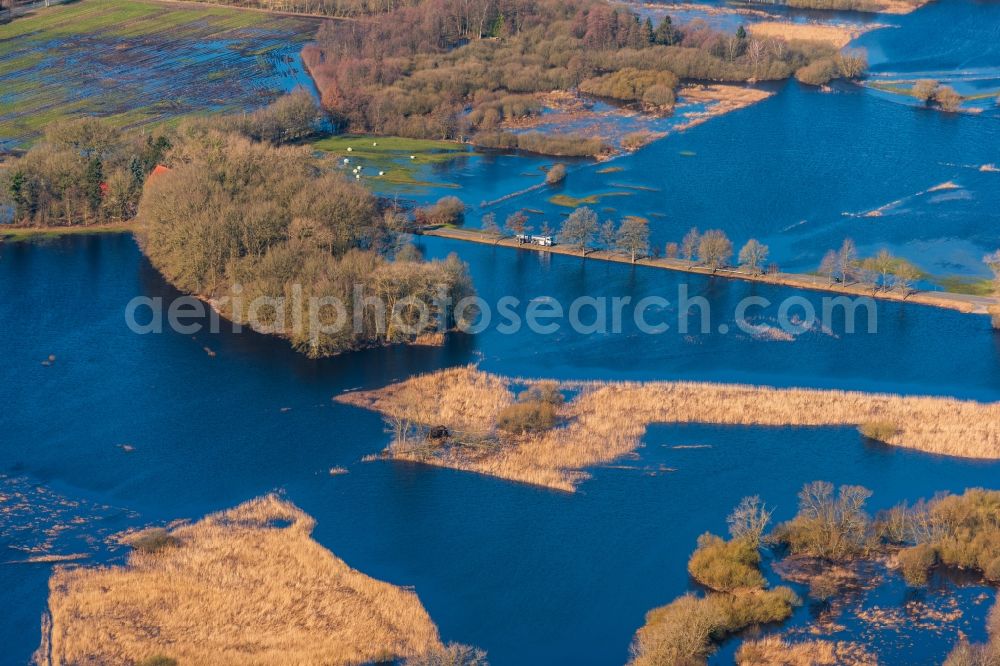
<point>158,170</point>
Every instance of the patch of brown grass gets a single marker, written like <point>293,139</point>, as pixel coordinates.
<point>773,651</point>
<point>837,35</point>
<point>607,420</point>
<point>245,586</point>
<point>721,99</point>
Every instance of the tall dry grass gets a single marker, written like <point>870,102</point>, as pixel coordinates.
<point>773,651</point>
<point>607,420</point>
<point>245,586</point>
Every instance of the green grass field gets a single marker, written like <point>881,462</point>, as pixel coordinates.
<point>590,200</point>
<point>391,155</point>
<point>140,61</point>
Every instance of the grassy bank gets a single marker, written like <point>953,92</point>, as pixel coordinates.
<point>398,157</point>
<point>14,234</point>
<point>960,301</point>
<point>244,586</point>
<point>608,420</point>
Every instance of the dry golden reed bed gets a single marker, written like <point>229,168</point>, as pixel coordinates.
<point>607,420</point>
<point>837,35</point>
<point>245,586</point>
<point>773,651</point>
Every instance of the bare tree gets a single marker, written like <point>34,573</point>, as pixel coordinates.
<point>903,277</point>
<point>828,266</point>
<point>490,226</point>
<point>847,260</point>
<point>753,255</point>
<point>517,222</point>
<point>851,63</point>
<point>607,234</point>
<point>755,53</point>
<point>947,98</point>
<point>633,237</point>
<point>579,228</point>
<point>689,244</point>
<point>882,264</point>
<point>992,261</point>
<point>715,249</point>
<point>924,89</point>
<point>749,520</point>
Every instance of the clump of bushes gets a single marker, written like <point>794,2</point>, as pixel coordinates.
<point>83,171</point>
<point>915,563</point>
<point>823,70</point>
<point>154,540</point>
<point>880,431</point>
<point>566,145</point>
<point>683,631</point>
<point>829,525</point>
<point>556,174</point>
<point>651,87</point>
<point>536,410</point>
<point>447,211</point>
<point>725,566</point>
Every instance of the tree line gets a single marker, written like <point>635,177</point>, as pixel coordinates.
<point>583,231</point>
<point>87,171</point>
<point>882,272</point>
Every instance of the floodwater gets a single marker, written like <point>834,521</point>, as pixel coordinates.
<point>123,430</point>
<point>805,168</point>
<point>531,575</point>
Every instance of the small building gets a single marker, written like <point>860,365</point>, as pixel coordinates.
<point>527,239</point>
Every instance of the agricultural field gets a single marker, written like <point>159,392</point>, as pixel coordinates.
<point>140,62</point>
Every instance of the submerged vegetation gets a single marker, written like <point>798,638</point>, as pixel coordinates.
<point>141,63</point>
<point>252,570</point>
<point>831,527</point>
<point>607,420</point>
<point>685,630</point>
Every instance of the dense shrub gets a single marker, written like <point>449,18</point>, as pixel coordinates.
<point>817,73</point>
<point>828,525</point>
<point>290,118</point>
<point>454,69</point>
<point>536,410</point>
<point>880,431</point>
<point>235,212</point>
<point>527,417</point>
<point>726,565</point>
<point>154,540</point>
<point>968,530</point>
<point>632,85</point>
<point>678,633</point>
<point>556,174</point>
<point>915,563</point>
<point>81,172</point>
<point>754,607</point>
<point>565,145</point>
<point>447,211</point>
